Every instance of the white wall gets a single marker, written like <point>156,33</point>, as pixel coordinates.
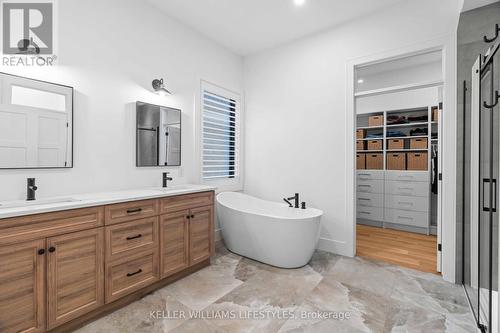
<point>402,76</point>
<point>408,99</point>
<point>296,135</point>
<point>110,51</point>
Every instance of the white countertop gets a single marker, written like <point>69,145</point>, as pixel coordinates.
<point>54,204</point>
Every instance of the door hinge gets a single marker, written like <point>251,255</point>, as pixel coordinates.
<point>440,105</point>
<point>67,124</point>
<point>439,247</point>
<point>166,133</point>
<point>65,163</point>
<point>440,176</point>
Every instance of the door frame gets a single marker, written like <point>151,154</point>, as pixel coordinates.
<point>447,45</point>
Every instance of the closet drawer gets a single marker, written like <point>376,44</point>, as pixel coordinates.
<point>419,204</point>
<point>414,219</point>
<point>413,189</point>
<point>370,186</point>
<point>411,176</point>
<point>370,213</point>
<point>370,175</point>
<point>370,200</point>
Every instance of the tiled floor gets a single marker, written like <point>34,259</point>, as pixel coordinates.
<point>331,294</point>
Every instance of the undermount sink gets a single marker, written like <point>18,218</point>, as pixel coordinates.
<point>17,204</point>
<point>175,188</point>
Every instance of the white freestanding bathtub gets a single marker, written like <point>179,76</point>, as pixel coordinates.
<point>266,231</point>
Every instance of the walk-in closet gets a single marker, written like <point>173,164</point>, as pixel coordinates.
<point>398,140</point>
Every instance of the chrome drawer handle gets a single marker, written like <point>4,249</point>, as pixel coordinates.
<point>134,237</point>
<point>134,273</point>
<point>405,188</point>
<point>405,217</point>
<point>405,203</point>
<point>364,199</point>
<point>368,213</point>
<point>364,185</point>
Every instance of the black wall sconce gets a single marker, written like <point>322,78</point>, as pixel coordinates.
<point>159,87</point>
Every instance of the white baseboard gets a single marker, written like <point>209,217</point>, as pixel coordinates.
<point>334,246</point>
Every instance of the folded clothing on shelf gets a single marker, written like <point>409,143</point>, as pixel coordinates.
<point>419,131</point>
<point>412,119</point>
<point>394,120</point>
<point>393,134</point>
<point>374,135</point>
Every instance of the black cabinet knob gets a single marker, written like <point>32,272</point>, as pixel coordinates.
<point>192,216</point>
<point>188,216</point>
<point>52,249</point>
<point>41,251</point>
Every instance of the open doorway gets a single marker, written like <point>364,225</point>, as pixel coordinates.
<point>398,106</point>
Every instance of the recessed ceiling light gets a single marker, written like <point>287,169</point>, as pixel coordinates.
<point>361,81</point>
<point>299,2</point>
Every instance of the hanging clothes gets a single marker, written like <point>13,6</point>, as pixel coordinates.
<point>434,160</point>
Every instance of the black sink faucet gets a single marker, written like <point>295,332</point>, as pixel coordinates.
<point>166,178</point>
<point>31,188</point>
<point>295,198</point>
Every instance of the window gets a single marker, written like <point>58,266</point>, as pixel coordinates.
<point>220,135</point>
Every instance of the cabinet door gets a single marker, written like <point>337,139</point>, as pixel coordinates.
<point>22,287</point>
<point>75,275</point>
<point>174,242</point>
<point>200,234</point>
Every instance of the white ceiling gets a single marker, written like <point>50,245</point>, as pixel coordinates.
<point>249,26</point>
<point>471,4</point>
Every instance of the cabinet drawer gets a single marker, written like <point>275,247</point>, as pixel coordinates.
<point>370,175</point>
<point>370,213</point>
<point>414,219</point>
<point>129,211</point>
<point>130,274</point>
<point>30,227</point>
<point>188,201</point>
<point>131,237</point>
<point>369,200</point>
<point>414,189</point>
<point>370,186</point>
<point>410,176</point>
<point>419,204</point>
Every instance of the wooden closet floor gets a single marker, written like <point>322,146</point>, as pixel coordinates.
<point>401,248</point>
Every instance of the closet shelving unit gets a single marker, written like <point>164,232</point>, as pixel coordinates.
<point>431,126</point>
<point>425,175</point>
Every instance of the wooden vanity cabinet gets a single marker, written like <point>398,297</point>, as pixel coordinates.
<point>186,231</point>
<point>75,275</point>
<point>200,235</point>
<point>174,242</point>
<point>59,269</point>
<point>22,287</point>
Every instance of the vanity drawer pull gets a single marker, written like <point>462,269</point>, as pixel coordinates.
<point>364,186</point>
<point>134,273</point>
<point>134,210</point>
<point>405,203</point>
<point>405,218</point>
<point>364,199</point>
<point>367,213</point>
<point>134,237</point>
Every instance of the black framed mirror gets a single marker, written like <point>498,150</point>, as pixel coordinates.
<point>158,135</point>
